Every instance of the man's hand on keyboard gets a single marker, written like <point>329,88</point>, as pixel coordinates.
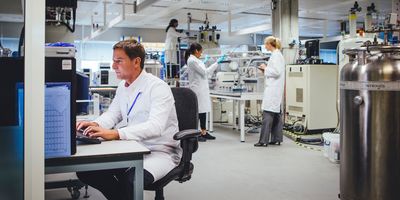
<point>84,124</point>
<point>96,131</point>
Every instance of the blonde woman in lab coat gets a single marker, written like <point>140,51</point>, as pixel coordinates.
<point>171,42</point>
<point>143,110</point>
<point>274,74</point>
<point>198,82</point>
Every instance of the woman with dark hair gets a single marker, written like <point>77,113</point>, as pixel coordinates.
<point>171,41</point>
<point>198,82</point>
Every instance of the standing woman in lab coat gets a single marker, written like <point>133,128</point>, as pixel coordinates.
<point>171,42</point>
<point>274,74</point>
<point>198,82</point>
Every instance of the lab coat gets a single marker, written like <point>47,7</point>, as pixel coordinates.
<point>152,121</point>
<point>274,75</point>
<point>198,81</point>
<point>171,42</point>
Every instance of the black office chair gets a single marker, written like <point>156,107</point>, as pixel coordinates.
<point>187,112</point>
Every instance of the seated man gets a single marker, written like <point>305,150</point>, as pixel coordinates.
<point>143,110</point>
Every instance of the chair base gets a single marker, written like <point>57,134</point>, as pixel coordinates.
<point>159,194</point>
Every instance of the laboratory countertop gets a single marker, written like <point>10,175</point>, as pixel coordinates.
<point>256,95</point>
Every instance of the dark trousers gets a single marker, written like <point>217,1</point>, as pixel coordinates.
<point>202,118</point>
<point>272,124</point>
<point>115,184</point>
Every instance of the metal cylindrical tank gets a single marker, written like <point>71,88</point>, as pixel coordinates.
<point>370,124</point>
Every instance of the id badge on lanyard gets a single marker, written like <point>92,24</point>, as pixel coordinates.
<point>130,109</point>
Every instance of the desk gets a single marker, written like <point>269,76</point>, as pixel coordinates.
<point>236,97</point>
<point>107,155</point>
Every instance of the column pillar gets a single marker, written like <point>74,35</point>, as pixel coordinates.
<point>285,26</point>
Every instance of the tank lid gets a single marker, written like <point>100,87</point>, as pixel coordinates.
<point>369,48</point>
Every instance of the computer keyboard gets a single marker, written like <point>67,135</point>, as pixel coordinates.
<point>85,139</point>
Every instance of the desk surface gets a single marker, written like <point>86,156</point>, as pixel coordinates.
<point>110,147</point>
<point>108,150</point>
<point>117,154</point>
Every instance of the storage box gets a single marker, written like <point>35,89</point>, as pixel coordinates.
<point>331,146</point>
<point>63,52</point>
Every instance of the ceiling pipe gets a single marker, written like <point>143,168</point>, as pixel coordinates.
<point>138,7</point>
<point>107,25</point>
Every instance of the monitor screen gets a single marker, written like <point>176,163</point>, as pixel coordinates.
<point>82,93</point>
<point>312,48</point>
<point>328,56</point>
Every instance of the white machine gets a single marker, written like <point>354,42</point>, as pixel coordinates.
<point>225,81</point>
<point>311,93</point>
<point>105,76</point>
<point>153,66</point>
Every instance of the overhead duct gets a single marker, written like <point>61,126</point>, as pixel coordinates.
<point>144,4</point>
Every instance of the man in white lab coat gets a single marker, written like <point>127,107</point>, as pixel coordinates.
<point>143,110</point>
<point>274,74</point>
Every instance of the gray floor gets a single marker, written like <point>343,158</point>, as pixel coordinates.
<point>228,169</point>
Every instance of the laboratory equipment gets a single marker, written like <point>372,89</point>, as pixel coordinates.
<point>57,51</point>
<point>207,36</point>
<point>311,93</point>
<point>5,52</point>
<point>61,12</point>
<point>369,121</point>
<point>153,66</point>
<point>105,76</point>
<point>312,49</point>
<point>239,73</point>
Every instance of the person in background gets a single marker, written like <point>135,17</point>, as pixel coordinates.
<point>171,42</point>
<point>274,74</point>
<point>143,110</point>
<point>198,82</point>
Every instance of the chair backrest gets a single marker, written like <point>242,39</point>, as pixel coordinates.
<point>186,108</point>
<point>188,118</point>
<point>187,113</point>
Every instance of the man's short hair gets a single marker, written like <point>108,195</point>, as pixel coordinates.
<point>133,49</point>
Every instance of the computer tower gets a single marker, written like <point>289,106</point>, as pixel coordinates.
<point>57,70</point>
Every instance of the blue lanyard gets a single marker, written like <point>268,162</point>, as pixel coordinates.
<point>134,101</point>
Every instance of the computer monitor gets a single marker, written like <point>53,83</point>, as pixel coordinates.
<point>312,48</point>
<point>82,93</point>
<point>13,73</point>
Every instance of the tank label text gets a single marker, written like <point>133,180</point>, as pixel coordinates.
<point>370,85</point>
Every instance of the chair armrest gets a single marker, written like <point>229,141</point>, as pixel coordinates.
<point>185,134</point>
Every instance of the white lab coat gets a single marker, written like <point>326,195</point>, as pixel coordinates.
<point>274,75</point>
<point>198,81</point>
<point>171,42</point>
<point>152,121</point>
